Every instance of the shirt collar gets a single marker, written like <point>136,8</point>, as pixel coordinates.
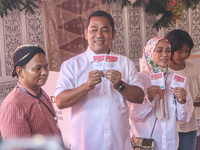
<point>28,90</point>
<point>90,54</point>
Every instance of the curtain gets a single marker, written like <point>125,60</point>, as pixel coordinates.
<point>64,23</point>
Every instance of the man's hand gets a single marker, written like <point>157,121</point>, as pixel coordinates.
<point>94,77</point>
<point>114,77</point>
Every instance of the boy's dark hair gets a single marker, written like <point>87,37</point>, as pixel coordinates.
<point>101,13</point>
<point>178,38</point>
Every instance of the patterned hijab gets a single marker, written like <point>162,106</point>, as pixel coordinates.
<point>149,66</point>
<point>147,63</point>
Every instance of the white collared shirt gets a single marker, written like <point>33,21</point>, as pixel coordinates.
<point>100,120</point>
<point>191,72</point>
<point>142,116</point>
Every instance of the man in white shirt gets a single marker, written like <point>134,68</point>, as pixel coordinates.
<point>99,113</point>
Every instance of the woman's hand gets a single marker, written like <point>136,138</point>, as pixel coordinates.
<point>181,94</point>
<point>152,91</point>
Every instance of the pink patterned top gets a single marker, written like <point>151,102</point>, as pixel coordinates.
<point>22,115</point>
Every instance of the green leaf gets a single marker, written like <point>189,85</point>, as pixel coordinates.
<point>9,5</point>
<point>165,21</point>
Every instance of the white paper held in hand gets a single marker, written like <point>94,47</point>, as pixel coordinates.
<point>177,81</point>
<point>158,79</point>
<point>105,62</point>
<point>98,62</point>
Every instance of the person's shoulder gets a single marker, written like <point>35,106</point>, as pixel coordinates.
<point>120,55</point>
<point>144,76</point>
<point>192,68</point>
<point>12,98</point>
<point>144,79</point>
<point>17,97</point>
<point>123,59</point>
<point>191,64</point>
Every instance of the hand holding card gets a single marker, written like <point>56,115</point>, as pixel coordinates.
<point>158,79</point>
<point>111,62</point>
<point>105,62</point>
<point>177,81</point>
<point>98,62</point>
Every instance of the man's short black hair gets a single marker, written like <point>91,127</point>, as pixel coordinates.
<point>178,38</point>
<point>101,13</point>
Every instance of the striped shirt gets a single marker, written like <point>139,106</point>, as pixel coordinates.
<point>22,115</point>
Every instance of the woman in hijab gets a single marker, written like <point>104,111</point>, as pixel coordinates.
<point>27,109</point>
<point>161,108</point>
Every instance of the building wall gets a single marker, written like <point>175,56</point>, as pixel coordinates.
<point>134,29</point>
<point>16,29</point>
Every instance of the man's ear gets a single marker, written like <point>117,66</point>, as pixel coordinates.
<point>113,33</point>
<point>86,34</point>
<point>19,71</point>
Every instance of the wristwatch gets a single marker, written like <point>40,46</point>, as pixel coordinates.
<point>121,86</point>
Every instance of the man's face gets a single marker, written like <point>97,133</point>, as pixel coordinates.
<point>99,35</point>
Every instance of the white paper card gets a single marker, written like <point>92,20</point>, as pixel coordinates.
<point>177,81</point>
<point>98,62</point>
<point>158,79</point>
<point>105,62</point>
<point>111,62</point>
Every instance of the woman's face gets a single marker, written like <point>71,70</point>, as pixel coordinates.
<point>180,56</point>
<point>162,53</point>
<point>35,73</point>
